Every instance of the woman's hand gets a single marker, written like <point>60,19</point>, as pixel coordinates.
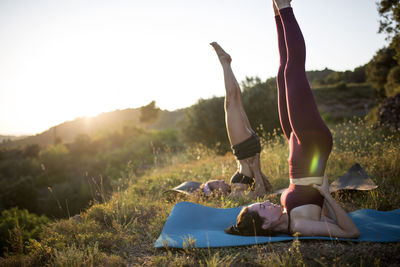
<point>324,188</point>
<point>344,226</point>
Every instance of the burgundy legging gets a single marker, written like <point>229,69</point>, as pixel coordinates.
<point>310,140</point>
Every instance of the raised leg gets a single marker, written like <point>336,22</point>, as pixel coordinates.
<point>301,107</point>
<point>311,141</point>
<point>237,124</point>
<point>280,78</point>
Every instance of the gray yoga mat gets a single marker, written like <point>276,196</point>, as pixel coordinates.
<point>186,188</point>
<point>354,179</point>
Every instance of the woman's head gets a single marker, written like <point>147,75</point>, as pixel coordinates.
<point>256,219</point>
<point>216,186</point>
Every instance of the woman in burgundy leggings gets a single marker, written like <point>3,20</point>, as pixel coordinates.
<point>310,144</point>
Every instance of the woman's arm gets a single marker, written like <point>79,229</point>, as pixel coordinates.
<point>255,167</point>
<point>327,213</point>
<point>344,226</point>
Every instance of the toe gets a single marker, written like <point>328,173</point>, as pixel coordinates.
<point>216,46</point>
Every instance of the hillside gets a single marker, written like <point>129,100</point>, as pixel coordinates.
<point>341,102</point>
<point>318,75</point>
<point>104,123</point>
<point>121,230</point>
<point>5,138</point>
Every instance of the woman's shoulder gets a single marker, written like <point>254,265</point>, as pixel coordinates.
<point>303,213</point>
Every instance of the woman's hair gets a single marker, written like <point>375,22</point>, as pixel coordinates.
<point>207,190</point>
<point>248,223</point>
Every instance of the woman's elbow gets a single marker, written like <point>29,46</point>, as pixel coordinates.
<point>354,233</point>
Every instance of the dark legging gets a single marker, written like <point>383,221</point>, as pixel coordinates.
<point>310,140</point>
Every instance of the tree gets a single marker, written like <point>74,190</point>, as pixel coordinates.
<point>205,121</point>
<point>149,113</point>
<point>21,193</point>
<point>261,106</point>
<point>32,151</point>
<point>392,87</point>
<point>82,145</point>
<point>378,69</point>
<point>385,59</point>
<point>390,17</point>
<point>359,74</point>
<point>390,23</point>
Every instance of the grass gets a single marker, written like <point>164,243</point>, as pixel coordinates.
<point>122,230</point>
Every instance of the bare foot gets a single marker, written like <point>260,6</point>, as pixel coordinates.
<point>282,3</point>
<point>259,190</point>
<point>224,57</point>
<point>267,184</point>
<point>262,185</point>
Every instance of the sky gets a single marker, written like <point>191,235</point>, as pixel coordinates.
<point>64,59</point>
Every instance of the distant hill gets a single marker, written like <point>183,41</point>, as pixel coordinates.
<point>337,102</point>
<point>10,137</point>
<point>97,125</point>
<point>313,76</point>
<point>317,75</point>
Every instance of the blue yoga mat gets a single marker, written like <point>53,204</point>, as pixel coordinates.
<point>194,225</point>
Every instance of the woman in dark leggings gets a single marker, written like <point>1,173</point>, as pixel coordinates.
<point>310,144</point>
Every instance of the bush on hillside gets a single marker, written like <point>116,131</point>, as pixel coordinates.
<point>204,122</point>
<point>335,77</point>
<point>392,87</point>
<point>389,112</point>
<point>61,180</point>
<point>18,226</point>
<point>378,68</point>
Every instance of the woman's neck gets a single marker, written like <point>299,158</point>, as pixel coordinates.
<point>282,225</point>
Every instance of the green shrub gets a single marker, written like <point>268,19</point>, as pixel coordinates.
<point>88,256</point>
<point>204,122</point>
<point>18,226</point>
<point>392,87</point>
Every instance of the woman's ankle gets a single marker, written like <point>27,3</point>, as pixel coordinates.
<point>281,4</point>
<point>245,169</point>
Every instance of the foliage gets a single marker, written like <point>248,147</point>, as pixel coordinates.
<point>335,77</point>
<point>386,60</point>
<point>390,16</point>
<point>260,103</point>
<point>204,122</point>
<point>169,120</point>
<point>392,87</point>
<point>390,24</point>
<point>18,226</point>
<point>378,69</point>
<point>60,180</point>
<point>149,113</point>
<point>314,77</point>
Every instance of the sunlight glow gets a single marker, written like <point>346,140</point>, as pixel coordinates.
<point>315,162</point>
